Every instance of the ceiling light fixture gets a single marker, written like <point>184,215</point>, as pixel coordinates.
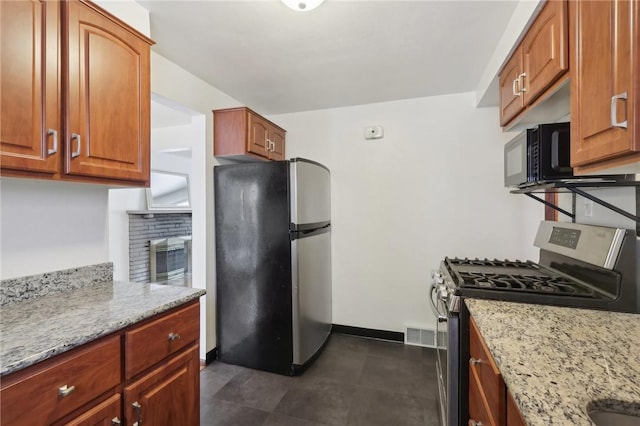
<point>302,5</point>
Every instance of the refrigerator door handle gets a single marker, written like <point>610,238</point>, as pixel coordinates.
<point>296,235</point>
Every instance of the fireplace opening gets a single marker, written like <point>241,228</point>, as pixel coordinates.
<point>169,258</point>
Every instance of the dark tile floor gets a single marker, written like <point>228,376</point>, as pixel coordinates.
<point>354,382</point>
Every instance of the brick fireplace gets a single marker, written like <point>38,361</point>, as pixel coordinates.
<point>143,228</point>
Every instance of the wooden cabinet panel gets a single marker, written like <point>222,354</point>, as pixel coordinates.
<point>30,86</point>
<point>605,63</point>
<point>478,411</point>
<point>544,50</point>
<point>489,376</point>
<point>535,69</point>
<point>108,127</point>
<point>92,371</point>
<point>511,99</point>
<point>276,136</point>
<point>514,418</point>
<point>102,414</point>
<point>241,134</point>
<point>169,395</point>
<point>148,344</point>
<point>258,135</point>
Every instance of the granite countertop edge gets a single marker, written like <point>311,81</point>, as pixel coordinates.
<point>31,349</point>
<point>558,362</point>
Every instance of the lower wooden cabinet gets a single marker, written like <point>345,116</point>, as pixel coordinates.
<point>107,413</point>
<point>490,403</point>
<point>168,395</point>
<point>87,385</point>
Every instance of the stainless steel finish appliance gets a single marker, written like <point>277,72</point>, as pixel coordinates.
<point>580,266</point>
<point>537,155</point>
<point>273,263</point>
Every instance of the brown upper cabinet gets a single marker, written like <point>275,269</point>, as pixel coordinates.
<point>539,61</point>
<point>241,134</point>
<point>98,128</point>
<point>605,84</point>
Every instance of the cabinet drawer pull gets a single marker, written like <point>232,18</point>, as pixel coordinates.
<point>54,133</point>
<point>521,78</point>
<point>173,336</point>
<point>614,111</point>
<point>65,390</point>
<point>474,361</point>
<point>515,87</point>
<point>115,421</point>
<point>76,153</point>
<point>138,409</point>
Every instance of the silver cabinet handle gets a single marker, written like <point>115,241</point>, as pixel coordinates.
<point>270,145</point>
<point>76,153</point>
<point>115,421</point>
<point>65,390</point>
<point>614,111</point>
<point>54,133</point>
<point>474,361</point>
<point>474,423</point>
<point>521,78</point>
<point>273,145</point>
<point>173,336</point>
<point>138,409</point>
<point>515,87</point>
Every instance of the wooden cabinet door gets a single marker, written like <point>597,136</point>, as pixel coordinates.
<point>107,413</point>
<point>29,86</point>
<point>107,132</point>
<point>276,136</point>
<point>258,135</point>
<point>168,395</point>
<point>603,69</point>
<point>544,50</point>
<point>511,99</point>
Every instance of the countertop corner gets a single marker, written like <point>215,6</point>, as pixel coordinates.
<point>556,361</point>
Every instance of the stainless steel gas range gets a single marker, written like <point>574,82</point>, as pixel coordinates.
<point>580,266</point>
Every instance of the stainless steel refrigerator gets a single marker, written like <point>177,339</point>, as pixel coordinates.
<point>273,263</point>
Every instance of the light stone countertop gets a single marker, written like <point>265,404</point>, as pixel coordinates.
<point>36,329</point>
<point>555,361</point>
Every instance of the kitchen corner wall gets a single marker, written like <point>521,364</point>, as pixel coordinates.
<point>47,226</point>
<point>432,187</point>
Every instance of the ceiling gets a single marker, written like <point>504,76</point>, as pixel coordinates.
<point>343,53</point>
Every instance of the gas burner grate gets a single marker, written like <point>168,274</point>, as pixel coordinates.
<point>488,262</point>
<point>525,283</point>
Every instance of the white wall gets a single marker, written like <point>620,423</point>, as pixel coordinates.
<point>432,187</point>
<point>174,83</point>
<point>46,226</point>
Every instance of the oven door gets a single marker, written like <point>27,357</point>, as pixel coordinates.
<point>448,347</point>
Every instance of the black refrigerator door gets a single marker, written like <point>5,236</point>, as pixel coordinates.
<point>253,266</point>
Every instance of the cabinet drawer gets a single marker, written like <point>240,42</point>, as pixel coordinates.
<point>92,371</point>
<point>150,343</point>
<point>490,380</point>
<point>102,414</point>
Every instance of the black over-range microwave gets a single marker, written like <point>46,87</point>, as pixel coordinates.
<point>538,155</point>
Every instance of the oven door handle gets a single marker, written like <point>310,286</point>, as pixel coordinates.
<point>441,318</point>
